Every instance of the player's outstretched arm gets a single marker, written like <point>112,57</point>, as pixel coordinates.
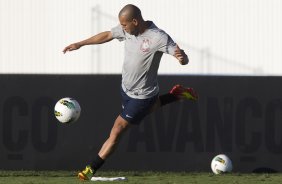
<point>181,56</point>
<point>97,39</point>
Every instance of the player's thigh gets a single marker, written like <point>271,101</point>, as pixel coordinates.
<point>137,109</point>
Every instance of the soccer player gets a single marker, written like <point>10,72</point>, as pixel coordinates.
<point>145,44</point>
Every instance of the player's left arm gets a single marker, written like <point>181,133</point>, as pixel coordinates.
<point>181,56</point>
<point>168,46</point>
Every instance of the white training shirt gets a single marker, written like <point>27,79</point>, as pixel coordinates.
<point>142,58</point>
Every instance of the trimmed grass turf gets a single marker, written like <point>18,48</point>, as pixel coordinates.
<point>69,177</point>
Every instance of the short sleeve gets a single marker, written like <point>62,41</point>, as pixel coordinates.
<point>166,44</point>
<point>118,33</point>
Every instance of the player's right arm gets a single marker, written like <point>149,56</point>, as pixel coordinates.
<point>97,39</point>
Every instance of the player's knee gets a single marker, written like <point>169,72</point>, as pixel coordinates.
<point>120,126</point>
<point>119,129</point>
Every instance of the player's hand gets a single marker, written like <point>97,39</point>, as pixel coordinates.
<point>181,56</point>
<point>72,47</point>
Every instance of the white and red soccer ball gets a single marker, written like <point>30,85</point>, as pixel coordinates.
<point>67,110</point>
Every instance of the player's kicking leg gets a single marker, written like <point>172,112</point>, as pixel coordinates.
<point>177,93</point>
<point>184,93</point>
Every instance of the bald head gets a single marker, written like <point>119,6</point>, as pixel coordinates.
<point>130,11</point>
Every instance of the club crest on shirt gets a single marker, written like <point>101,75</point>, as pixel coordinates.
<point>145,46</point>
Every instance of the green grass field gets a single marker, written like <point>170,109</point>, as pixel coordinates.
<point>68,177</point>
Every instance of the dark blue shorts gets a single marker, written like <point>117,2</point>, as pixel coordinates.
<point>134,110</point>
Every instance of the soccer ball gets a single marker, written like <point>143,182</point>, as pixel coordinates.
<point>221,164</point>
<point>67,110</point>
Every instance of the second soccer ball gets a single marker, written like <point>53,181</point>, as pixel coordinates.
<point>221,164</point>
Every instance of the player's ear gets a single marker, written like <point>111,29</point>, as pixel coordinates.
<point>135,22</point>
